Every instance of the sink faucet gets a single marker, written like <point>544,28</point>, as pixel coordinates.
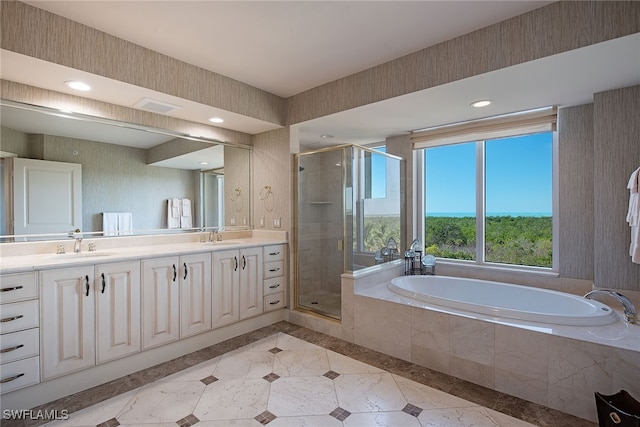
<point>77,246</point>
<point>630,313</point>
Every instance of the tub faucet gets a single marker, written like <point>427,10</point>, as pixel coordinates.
<point>630,313</point>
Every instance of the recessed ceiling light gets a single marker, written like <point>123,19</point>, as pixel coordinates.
<point>77,85</point>
<point>481,103</point>
<point>216,120</point>
<point>204,163</point>
<point>326,136</point>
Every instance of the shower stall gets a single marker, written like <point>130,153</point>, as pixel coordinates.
<point>348,216</point>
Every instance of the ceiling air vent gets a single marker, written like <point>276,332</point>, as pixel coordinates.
<point>154,106</point>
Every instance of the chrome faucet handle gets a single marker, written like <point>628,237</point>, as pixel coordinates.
<point>92,247</point>
<point>60,250</point>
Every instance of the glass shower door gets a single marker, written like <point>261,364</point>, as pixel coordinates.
<point>320,230</point>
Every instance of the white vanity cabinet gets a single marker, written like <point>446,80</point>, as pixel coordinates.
<point>19,342</point>
<point>67,307</point>
<point>237,285</point>
<point>274,277</point>
<point>117,310</point>
<point>89,315</point>
<point>176,298</point>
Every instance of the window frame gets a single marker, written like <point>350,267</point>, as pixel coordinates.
<point>480,261</point>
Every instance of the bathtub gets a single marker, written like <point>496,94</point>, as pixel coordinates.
<point>504,300</point>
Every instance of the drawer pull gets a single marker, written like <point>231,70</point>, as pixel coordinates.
<point>274,286</point>
<point>9,319</point>
<point>274,253</point>
<point>8,380</point>
<point>7,350</point>
<point>11,289</point>
<point>86,279</point>
<point>274,302</point>
<point>274,269</point>
<point>104,283</point>
<point>175,272</point>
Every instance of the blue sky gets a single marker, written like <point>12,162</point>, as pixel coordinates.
<point>518,179</point>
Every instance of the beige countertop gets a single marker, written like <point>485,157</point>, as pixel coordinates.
<point>38,256</point>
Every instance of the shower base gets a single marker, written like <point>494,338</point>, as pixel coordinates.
<point>327,303</point>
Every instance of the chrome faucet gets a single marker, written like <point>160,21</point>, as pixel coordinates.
<point>630,313</point>
<point>77,246</point>
<point>215,236</point>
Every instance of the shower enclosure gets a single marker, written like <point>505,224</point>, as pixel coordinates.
<point>349,216</point>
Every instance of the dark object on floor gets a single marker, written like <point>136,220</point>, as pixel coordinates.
<point>618,410</point>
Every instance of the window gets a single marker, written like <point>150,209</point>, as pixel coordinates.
<point>490,201</point>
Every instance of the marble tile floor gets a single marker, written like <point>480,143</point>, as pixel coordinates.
<point>287,375</point>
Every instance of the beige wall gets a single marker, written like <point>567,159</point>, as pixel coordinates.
<point>616,156</point>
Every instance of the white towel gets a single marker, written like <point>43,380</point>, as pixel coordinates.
<point>185,217</point>
<point>633,216</point>
<point>109,224</point>
<point>125,223</point>
<point>173,213</point>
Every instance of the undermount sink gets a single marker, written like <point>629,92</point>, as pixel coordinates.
<point>72,255</point>
<point>225,242</point>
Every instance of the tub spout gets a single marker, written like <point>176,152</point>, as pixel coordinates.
<point>630,313</point>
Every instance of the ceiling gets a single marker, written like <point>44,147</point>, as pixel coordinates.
<point>286,47</point>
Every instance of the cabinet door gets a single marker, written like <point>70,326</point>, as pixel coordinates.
<point>160,310</point>
<point>224,309</point>
<point>195,294</point>
<point>67,330</point>
<point>251,286</point>
<point>117,310</point>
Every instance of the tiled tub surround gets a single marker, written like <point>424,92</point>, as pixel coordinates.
<point>556,366</point>
<point>362,387</point>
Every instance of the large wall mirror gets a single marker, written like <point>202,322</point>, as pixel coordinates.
<point>164,182</point>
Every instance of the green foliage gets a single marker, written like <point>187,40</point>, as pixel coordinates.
<point>377,231</point>
<point>508,239</point>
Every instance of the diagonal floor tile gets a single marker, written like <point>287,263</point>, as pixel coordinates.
<point>301,363</point>
<point>295,396</point>
<point>233,399</point>
<point>245,364</point>
<point>162,402</point>
<point>369,393</point>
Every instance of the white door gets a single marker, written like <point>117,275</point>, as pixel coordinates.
<point>224,308</point>
<point>160,299</point>
<point>195,294</point>
<point>251,286</point>
<point>117,310</point>
<point>47,196</point>
<point>67,331</point>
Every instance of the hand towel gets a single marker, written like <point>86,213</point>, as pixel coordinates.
<point>109,224</point>
<point>125,223</point>
<point>633,216</point>
<point>173,216</point>
<point>185,218</point>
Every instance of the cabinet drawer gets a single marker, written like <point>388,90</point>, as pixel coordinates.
<point>274,302</point>
<point>273,253</point>
<point>273,286</point>
<point>21,373</point>
<point>273,269</point>
<point>18,316</point>
<point>18,287</point>
<point>19,345</point>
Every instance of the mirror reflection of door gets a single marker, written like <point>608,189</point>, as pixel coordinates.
<point>213,198</point>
